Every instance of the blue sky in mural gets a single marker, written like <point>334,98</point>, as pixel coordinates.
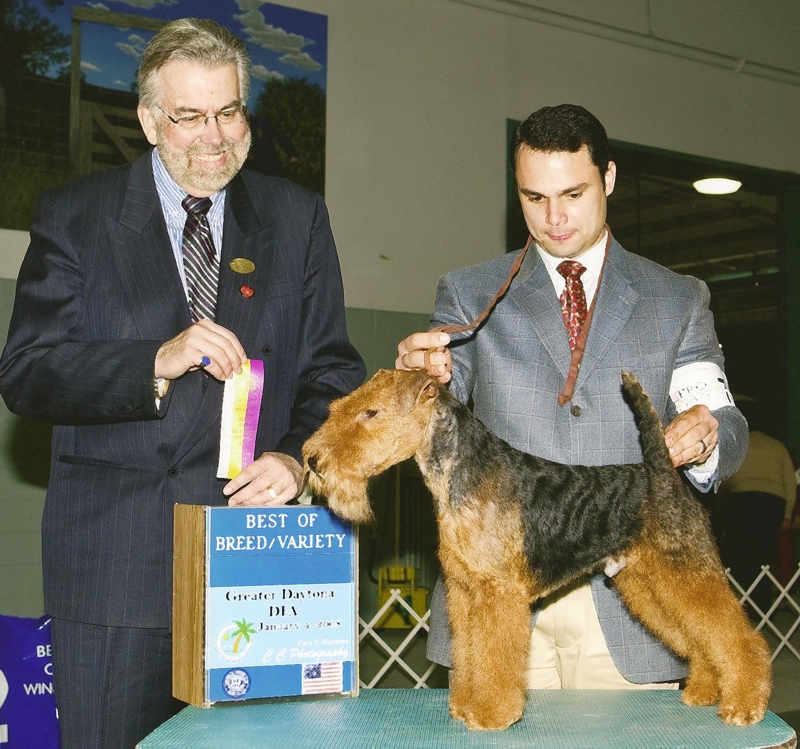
<point>283,42</point>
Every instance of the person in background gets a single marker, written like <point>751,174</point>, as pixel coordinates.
<point>143,290</point>
<point>756,504</point>
<point>532,382</point>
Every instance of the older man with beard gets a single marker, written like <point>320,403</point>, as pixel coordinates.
<point>144,288</point>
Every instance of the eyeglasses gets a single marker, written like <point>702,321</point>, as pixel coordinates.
<point>194,123</point>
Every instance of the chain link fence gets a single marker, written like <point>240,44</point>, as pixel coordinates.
<point>35,137</point>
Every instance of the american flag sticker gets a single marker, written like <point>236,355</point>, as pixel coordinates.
<point>322,678</point>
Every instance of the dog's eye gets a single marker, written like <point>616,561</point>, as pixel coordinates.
<point>368,414</point>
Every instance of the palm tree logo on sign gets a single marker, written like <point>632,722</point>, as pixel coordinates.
<point>233,640</point>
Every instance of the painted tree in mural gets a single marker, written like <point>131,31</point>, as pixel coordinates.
<point>29,42</point>
<point>288,123</point>
<point>31,47</point>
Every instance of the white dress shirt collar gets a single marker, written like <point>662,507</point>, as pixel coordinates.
<point>592,259</point>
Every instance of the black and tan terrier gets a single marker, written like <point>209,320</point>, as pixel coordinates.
<point>514,527</point>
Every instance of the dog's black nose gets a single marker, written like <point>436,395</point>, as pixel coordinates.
<point>312,463</point>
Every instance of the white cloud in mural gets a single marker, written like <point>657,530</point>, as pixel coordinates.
<point>134,47</point>
<point>99,6</point>
<point>259,72</point>
<point>301,60</point>
<point>275,39</point>
<point>270,37</point>
<point>89,66</point>
<point>128,49</point>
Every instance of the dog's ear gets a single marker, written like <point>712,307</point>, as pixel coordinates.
<point>414,388</point>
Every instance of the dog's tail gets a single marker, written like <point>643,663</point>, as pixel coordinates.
<point>654,448</point>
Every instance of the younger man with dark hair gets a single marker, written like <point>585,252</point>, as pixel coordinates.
<point>581,303</point>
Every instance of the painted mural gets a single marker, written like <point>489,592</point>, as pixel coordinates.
<point>39,146</point>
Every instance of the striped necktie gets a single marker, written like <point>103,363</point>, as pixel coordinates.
<point>573,299</point>
<point>200,259</point>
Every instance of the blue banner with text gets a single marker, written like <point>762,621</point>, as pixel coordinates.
<point>28,716</point>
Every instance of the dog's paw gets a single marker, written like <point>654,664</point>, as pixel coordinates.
<point>457,711</point>
<point>699,693</point>
<point>460,697</point>
<point>492,720</point>
<point>738,715</point>
<point>494,712</point>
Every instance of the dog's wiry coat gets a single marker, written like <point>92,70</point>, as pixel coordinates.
<point>514,527</point>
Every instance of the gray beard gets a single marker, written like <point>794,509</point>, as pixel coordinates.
<point>191,173</point>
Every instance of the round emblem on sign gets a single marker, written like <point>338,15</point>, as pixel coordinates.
<point>236,682</point>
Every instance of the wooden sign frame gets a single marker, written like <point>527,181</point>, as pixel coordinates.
<point>264,604</point>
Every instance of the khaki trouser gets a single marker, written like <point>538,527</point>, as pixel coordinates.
<point>568,650</point>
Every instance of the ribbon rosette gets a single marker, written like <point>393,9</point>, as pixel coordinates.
<point>241,406</point>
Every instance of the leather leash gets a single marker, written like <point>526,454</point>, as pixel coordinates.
<point>580,344</point>
<point>449,329</point>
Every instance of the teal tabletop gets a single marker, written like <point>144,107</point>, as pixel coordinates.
<point>419,719</point>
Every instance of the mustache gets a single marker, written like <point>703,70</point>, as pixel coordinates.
<point>202,148</point>
<point>227,145</point>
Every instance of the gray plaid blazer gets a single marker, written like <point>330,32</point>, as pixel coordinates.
<point>648,320</point>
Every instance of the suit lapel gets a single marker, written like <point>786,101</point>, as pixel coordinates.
<point>536,296</point>
<point>141,249</point>
<point>616,301</point>
<point>149,276</point>
<point>533,291</point>
<point>247,237</point>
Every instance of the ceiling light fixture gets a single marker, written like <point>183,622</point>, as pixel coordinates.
<point>716,186</point>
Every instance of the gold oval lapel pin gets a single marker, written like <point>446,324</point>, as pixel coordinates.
<point>242,265</point>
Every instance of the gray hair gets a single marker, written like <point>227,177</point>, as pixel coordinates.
<point>192,40</point>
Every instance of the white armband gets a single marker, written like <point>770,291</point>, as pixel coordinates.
<point>700,382</point>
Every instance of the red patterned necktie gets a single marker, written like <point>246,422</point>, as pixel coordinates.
<point>200,259</point>
<point>573,299</point>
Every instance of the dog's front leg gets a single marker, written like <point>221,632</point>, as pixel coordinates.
<point>490,621</point>
<point>463,672</point>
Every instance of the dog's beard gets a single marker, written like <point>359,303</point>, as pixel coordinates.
<point>345,497</point>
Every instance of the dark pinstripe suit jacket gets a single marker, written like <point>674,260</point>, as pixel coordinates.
<point>97,294</point>
<point>648,320</point>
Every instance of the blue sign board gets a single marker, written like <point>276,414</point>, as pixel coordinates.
<point>280,603</point>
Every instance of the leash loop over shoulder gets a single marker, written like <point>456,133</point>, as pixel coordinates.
<point>469,327</point>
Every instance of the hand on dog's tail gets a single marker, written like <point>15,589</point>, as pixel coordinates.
<point>654,448</point>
